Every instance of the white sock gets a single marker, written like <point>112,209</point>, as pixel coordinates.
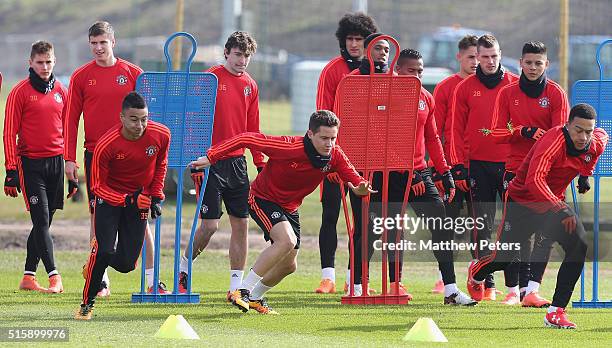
<point>250,281</point>
<point>450,289</point>
<point>513,290</point>
<point>29,273</point>
<point>348,276</point>
<point>235,279</point>
<point>328,273</point>
<point>358,290</point>
<point>105,278</point>
<point>552,309</point>
<point>184,267</point>
<point>439,275</point>
<point>532,286</point>
<point>149,276</point>
<point>52,273</point>
<point>259,290</point>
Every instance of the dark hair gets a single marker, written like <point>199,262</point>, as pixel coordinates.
<point>355,23</point>
<point>582,110</point>
<point>133,100</point>
<point>409,53</point>
<point>322,118</point>
<point>536,47</point>
<point>101,28</point>
<point>370,38</point>
<point>243,41</point>
<point>40,47</point>
<point>487,41</point>
<point>467,42</point>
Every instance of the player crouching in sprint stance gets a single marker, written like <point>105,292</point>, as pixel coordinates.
<point>128,170</point>
<point>535,200</point>
<point>295,168</point>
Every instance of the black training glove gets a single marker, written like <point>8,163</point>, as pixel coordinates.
<point>460,176</point>
<point>449,186</point>
<point>137,199</point>
<point>583,184</point>
<point>417,185</point>
<point>534,133</point>
<point>156,207</point>
<point>73,188</point>
<point>11,183</point>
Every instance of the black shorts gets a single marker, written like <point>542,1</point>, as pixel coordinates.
<point>43,181</point>
<point>91,198</point>
<point>267,214</point>
<point>228,180</point>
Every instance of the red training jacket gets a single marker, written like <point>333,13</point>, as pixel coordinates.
<point>515,110</point>
<point>33,123</point>
<point>97,93</point>
<point>472,110</point>
<point>329,80</point>
<point>542,178</point>
<point>121,167</point>
<point>288,176</point>
<point>237,110</point>
<point>443,96</point>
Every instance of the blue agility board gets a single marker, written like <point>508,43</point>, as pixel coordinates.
<point>598,94</point>
<point>184,101</point>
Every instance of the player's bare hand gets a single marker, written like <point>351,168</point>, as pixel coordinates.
<point>200,163</point>
<point>72,171</point>
<point>363,189</point>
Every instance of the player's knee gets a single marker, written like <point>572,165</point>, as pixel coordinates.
<point>208,230</point>
<point>125,267</point>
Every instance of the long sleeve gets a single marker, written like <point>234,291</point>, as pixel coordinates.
<point>253,126</point>
<point>459,115</point>
<point>156,189</point>
<point>326,89</point>
<point>432,140</point>
<point>12,124</point>
<point>100,173</point>
<point>560,108</point>
<point>500,129</point>
<point>72,118</point>
<point>345,169</point>
<point>599,141</point>
<point>272,146</point>
<point>539,167</point>
<point>441,110</point>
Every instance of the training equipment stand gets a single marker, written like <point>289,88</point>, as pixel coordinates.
<point>598,94</point>
<point>184,101</point>
<point>378,133</point>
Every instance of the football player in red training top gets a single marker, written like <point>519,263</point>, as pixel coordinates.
<point>535,200</point>
<point>96,90</point>
<point>353,28</point>
<point>302,162</point>
<point>236,112</point>
<point>33,148</point>
<point>128,170</point>
<point>472,109</point>
<point>524,111</point>
<point>443,95</point>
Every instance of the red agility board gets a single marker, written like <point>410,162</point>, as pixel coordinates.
<point>378,114</point>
